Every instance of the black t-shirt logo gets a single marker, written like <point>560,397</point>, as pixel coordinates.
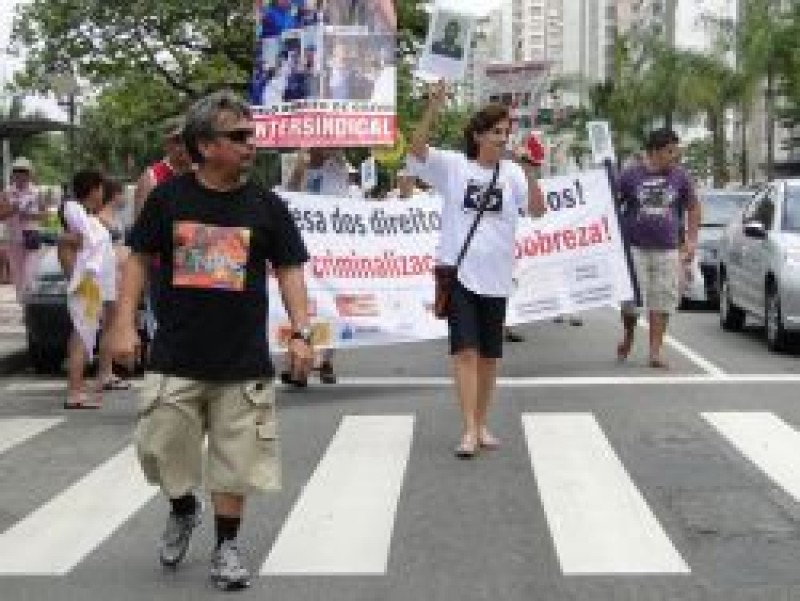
<point>474,194</point>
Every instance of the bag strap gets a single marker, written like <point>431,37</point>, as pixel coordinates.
<point>484,201</point>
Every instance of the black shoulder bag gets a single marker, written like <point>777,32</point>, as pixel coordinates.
<point>445,275</point>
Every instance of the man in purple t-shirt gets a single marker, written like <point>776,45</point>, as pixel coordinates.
<point>660,216</point>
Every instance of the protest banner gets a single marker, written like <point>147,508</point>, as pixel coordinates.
<point>324,73</point>
<point>370,280</point>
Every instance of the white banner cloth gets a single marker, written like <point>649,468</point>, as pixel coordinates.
<point>369,276</point>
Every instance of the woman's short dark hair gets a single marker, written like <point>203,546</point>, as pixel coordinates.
<point>482,121</point>
<point>86,180</point>
<point>111,188</point>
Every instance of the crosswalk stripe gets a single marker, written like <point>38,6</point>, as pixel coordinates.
<point>50,386</point>
<point>58,535</point>
<point>767,441</point>
<point>15,430</point>
<point>599,521</point>
<point>343,521</point>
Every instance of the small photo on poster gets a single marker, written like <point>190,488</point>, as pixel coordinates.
<point>270,52</point>
<point>291,41</point>
<point>358,65</point>
<point>447,45</point>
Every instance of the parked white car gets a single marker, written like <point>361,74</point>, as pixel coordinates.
<point>759,264</point>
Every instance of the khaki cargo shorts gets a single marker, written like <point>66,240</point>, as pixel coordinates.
<point>659,276</point>
<point>176,414</point>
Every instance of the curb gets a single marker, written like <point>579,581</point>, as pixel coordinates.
<point>14,362</point>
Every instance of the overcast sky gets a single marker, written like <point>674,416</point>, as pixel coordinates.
<point>10,64</point>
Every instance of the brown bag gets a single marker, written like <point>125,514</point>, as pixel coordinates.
<point>67,252</point>
<point>445,276</point>
<point>6,208</point>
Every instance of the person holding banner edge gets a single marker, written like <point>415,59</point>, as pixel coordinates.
<point>660,217</point>
<point>484,278</point>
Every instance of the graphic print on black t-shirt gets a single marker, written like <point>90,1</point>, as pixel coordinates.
<point>474,194</point>
<point>656,197</point>
<point>210,256</point>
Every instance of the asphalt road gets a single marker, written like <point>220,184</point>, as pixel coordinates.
<point>614,482</point>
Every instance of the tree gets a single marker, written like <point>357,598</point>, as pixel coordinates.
<point>45,150</point>
<point>149,59</point>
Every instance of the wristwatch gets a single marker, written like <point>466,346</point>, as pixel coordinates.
<point>303,334</point>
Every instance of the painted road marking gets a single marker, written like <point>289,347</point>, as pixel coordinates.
<point>767,441</point>
<point>599,521</point>
<point>15,430</point>
<point>343,521</point>
<point>56,537</point>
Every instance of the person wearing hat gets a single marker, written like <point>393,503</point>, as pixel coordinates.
<point>22,209</point>
<point>175,162</point>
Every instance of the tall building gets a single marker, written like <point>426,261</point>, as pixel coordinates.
<point>653,18</point>
<point>589,28</point>
<point>574,36</point>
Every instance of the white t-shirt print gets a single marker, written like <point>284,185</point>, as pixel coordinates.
<point>488,264</point>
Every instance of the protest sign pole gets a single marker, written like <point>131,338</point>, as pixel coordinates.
<point>611,174</point>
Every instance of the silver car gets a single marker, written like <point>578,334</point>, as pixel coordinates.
<point>718,208</point>
<point>759,264</point>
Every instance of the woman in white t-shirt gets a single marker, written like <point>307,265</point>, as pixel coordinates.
<point>92,281</point>
<point>478,301</point>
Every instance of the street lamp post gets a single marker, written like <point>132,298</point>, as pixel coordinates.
<point>65,85</point>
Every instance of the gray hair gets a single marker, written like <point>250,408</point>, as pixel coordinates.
<point>201,120</point>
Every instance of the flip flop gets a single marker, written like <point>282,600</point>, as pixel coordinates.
<point>658,363</point>
<point>82,401</point>
<point>288,379</point>
<point>489,441</point>
<point>116,383</point>
<point>467,448</point>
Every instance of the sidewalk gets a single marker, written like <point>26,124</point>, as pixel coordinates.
<point>13,349</point>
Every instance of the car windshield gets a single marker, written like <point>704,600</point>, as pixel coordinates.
<point>720,207</point>
<point>791,209</point>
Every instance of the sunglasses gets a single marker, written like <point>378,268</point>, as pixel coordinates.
<point>239,136</point>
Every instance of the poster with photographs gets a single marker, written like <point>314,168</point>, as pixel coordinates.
<point>447,46</point>
<point>324,73</point>
<point>600,141</point>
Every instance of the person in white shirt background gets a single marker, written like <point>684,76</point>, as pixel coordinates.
<point>484,279</point>
<point>22,209</point>
<point>92,282</point>
<point>320,171</point>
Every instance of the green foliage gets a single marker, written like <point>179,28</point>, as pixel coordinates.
<point>145,60</point>
<point>697,157</point>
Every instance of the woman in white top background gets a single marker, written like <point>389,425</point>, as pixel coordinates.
<point>484,283</point>
<point>92,281</point>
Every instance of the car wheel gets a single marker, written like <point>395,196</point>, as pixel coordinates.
<point>45,360</point>
<point>731,317</point>
<point>773,321</point>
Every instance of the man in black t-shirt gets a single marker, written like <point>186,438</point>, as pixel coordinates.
<point>215,233</point>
